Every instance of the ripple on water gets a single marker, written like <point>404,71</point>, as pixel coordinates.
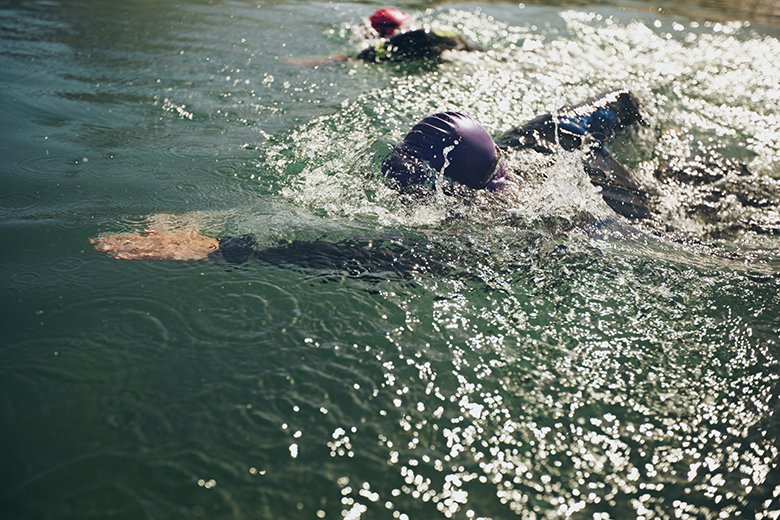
<point>246,310</point>
<point>29,278</point>
<point>45,164</point>
<point>140,323</point>
<point>66,265</point>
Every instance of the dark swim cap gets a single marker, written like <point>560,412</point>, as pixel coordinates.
<point>388,20</point>
<point>449,142</point>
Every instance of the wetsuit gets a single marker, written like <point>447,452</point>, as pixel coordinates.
<point>419,44</point>
<point>594,123</point>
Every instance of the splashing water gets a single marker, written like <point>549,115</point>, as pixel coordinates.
<point>685,74</point>
<point>505,412</point>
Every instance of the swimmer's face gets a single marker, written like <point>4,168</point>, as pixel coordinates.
<point>387,29</point>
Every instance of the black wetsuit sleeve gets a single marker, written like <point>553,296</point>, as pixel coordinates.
<point>540,134</point>
<point>600,118</point>
<point>236,250</point>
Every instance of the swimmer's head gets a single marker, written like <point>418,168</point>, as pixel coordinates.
<point>388,21</point>
<point>450,143</point>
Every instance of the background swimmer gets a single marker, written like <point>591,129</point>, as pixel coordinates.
<point>394,37</point>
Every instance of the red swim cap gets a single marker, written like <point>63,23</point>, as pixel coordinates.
<point>388,21</point>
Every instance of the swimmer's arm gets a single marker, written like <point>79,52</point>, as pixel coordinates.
<point>537,134</point>
<point>176,237</point>
<point>166,245</point>
<point>601,118</point>
<point>619,188</point>
<point>354,257</point>
<point>621,105</point>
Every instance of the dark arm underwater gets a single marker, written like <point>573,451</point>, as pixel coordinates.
<point>354,257</point>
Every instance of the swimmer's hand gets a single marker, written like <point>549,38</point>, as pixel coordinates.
<point>162,239</point>
<point>316,61</point>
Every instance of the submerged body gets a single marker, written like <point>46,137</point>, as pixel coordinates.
<point>418,44</point>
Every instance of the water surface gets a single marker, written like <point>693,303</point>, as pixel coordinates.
<point>524,355</point>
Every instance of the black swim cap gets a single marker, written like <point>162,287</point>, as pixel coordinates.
<point>451,143</point>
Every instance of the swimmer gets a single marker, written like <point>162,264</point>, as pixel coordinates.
<point>389,21</point>
<point>453,147</point>
<point>449,146</point>
<point>400,41</point>
<point>395,38</point>
<point>453,144</point>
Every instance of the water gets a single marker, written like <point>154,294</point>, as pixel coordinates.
<point>488,356</point>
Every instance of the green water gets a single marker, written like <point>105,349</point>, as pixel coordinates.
<point>522,355</point>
